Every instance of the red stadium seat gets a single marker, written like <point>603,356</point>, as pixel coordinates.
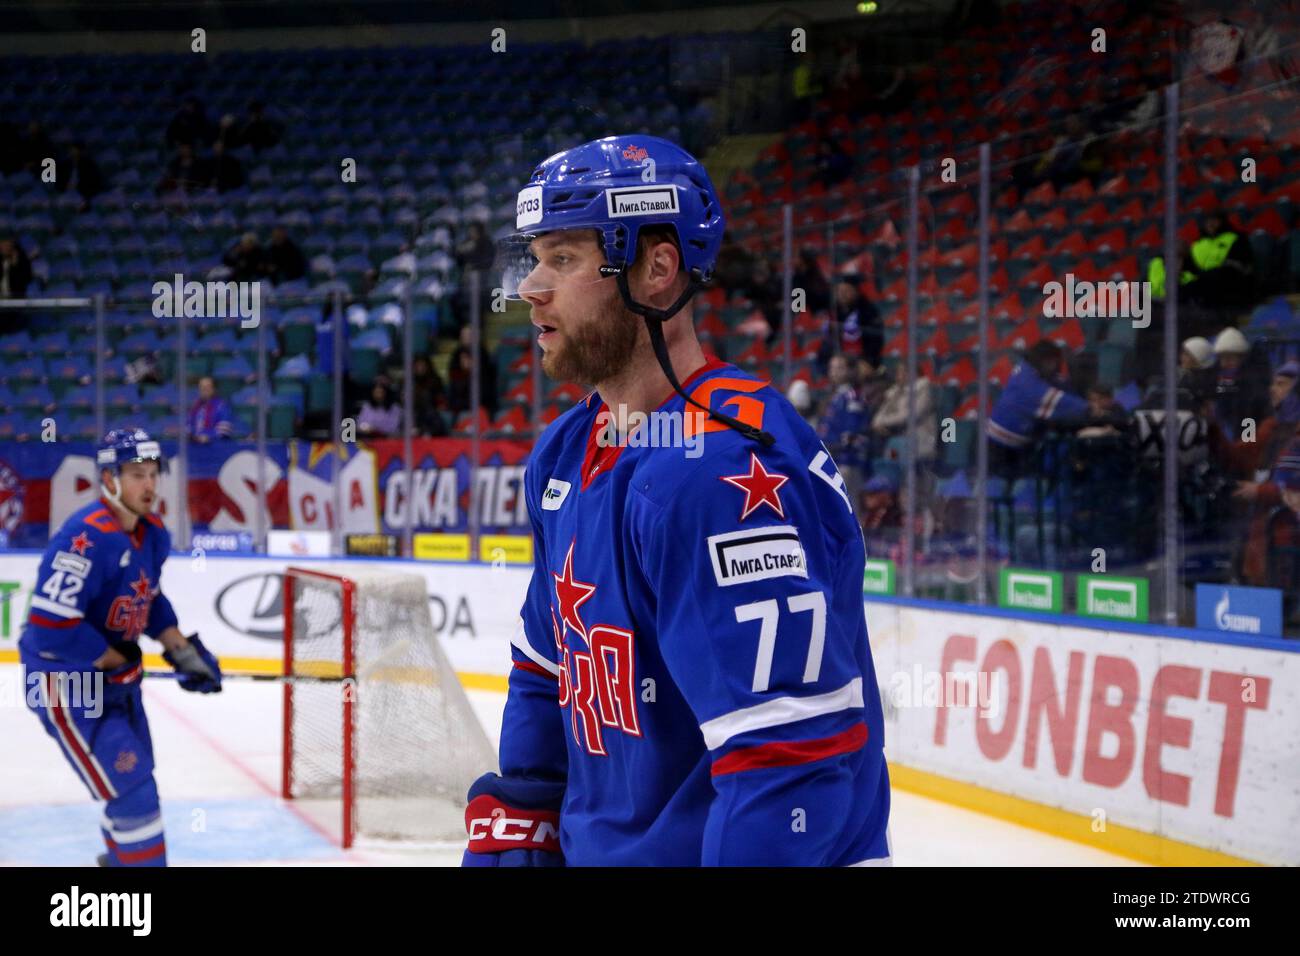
<point>1041,195</point>
<point>521,393</point>
<point>568,392</point>
<point>513,421</point>
<point>1110,241</point>
<point>1033,248</point>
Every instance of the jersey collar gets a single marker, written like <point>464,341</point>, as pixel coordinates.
<point>598,458</point>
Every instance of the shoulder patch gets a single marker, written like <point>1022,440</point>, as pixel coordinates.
<point>555,493</point>
<point>71,563</point>
<point>756,554</point>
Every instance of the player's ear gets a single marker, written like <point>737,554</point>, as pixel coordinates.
<point>660,264</point>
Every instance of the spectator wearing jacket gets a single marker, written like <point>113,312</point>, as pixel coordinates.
<point>843,426</point>
<point>1032,398</point>
<point>210,414</point>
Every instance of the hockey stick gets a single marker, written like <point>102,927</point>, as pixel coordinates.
<point>241,675</point>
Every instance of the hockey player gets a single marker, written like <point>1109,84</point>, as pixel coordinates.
<point>97,591</point>
<point>692,683</point>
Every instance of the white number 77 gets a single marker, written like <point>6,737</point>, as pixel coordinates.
<point>767,613</point>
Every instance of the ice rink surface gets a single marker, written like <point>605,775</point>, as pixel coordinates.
<point>218,772</point>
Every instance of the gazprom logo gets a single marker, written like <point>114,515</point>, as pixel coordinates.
<point>528,207</point>
<point>1227,621</point>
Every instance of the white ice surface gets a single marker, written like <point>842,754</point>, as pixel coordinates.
<point>218,771</point>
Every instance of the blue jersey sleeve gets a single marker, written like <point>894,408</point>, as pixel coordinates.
<point>533,742</point>
<point>69,578</point>
<point>757,565</point>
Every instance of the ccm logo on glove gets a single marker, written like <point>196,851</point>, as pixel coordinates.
<point>494,827</point>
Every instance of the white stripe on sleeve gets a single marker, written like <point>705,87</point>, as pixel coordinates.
<point>781,710</point>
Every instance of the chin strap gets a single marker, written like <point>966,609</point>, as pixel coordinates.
<point>654,323</point>
<point>115,497</point>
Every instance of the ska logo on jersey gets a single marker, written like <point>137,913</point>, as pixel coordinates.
<point>597,686</point>
<point>760,487</point>
<point>81,542</point>
<point>130,614</point>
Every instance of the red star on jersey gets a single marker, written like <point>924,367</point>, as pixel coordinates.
<point>572,595</point>
<point>760,487</point>
<point>141,587</point>
<point>81,542</point>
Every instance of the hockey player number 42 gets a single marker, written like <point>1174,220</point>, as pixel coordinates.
<point>767,614</point>
<point>55,590</point>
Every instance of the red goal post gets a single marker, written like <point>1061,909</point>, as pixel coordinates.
<point>374,716</point>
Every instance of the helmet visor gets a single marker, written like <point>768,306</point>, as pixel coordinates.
<point>548,263</point>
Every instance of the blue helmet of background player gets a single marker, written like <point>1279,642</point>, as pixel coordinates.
<point>617,186</point>
<point>122,445</point>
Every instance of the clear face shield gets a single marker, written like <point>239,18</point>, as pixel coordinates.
<point>551,262</point>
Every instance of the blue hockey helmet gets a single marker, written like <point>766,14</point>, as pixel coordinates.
<point>617,186</point>
<point>122,445</point>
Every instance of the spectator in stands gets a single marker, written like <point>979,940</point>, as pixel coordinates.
<point>461,369</point>
<point>1072,156</point>
<point>873,382</point>
<point>380,415</point>
<point>833,165</point>
<point>1217,276</point>
<point>475,249</point>
<point>186,171</point>
<point>246,258</point>
<point>891,418</point>
<point>843,426</point>
<point>283,261</point>
<point>260,132</point>
<point>429,398</point>
<point>888,89</point>
<point>1031,398</point>
<point>800,395</point>
<point>855,327</point>
<point>1238,394</point>
<point>15,269</point>
<point>210,415</point>
<point>809,277</point>
<point>227,172</point>
<point>735,265</point>
<point>228,132</point>
<point>764,290</point>
<point>82,173</point>
<point>190,126</point>
<point>11,148</point>
<point>1258,457</point>
<point>1196,366</point>
<point>1271,555</point>
<point>1222,265</point>
<point>880,513</point>
<point>36,147</point>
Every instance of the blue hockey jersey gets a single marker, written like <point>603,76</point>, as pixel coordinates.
<point>96,585</point>
<point>1026,402</point>
<point>694,660</point>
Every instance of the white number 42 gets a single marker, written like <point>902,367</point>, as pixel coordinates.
<point>767,612</point>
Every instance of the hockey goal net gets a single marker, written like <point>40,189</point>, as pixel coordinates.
<point>374,716</point>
